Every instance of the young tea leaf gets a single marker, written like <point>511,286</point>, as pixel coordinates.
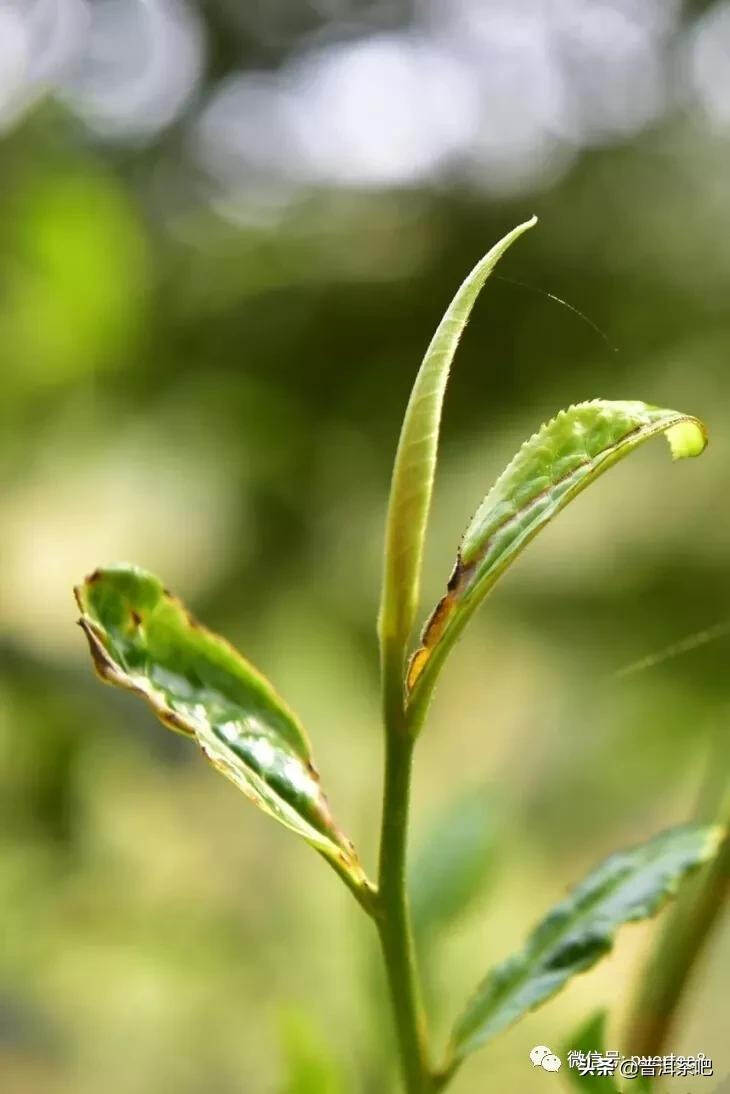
<point>628,886</point>
<point>415,460</point>
<point>556,464</point>
<point>142,638</point>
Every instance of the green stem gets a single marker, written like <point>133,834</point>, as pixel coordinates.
<point>393,919</point>
<point>687,929</point>
<point>394,922</point>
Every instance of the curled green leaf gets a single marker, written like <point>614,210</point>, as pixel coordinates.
<point>564,457</point>
<point>141,638</point>
<point>415,461</point>
<point>626,887</point>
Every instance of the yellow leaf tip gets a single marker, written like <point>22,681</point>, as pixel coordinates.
<point>687,438</point>
<point>525,224</point>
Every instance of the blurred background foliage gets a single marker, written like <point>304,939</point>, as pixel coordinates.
<point>227,231</point>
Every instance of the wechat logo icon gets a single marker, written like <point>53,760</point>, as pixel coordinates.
<point>542,1056</point>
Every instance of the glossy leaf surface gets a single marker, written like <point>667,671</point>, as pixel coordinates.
<point>142,638</point>
<point>564,457</point>
<point>415,461</point>
<point>628,886</point>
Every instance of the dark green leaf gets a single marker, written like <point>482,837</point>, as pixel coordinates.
<point>142,638</point>
<point>553,467</point>
<point>628,886</point>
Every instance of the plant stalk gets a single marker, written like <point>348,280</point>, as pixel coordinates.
<point>687,929</point>
<point>393,918</point>
<point>684,937</point>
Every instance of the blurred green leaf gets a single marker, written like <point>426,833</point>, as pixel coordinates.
<point>450,868</point>
<point>74,292</point>
<point>142,638</point>
<point>415,460</point>
<point>590,1037</point>
<point>564,457</point>
<point>628,886</point>
<point>309,1067</point>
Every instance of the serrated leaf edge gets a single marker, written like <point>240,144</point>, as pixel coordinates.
<point>436,624</point>
<point>714,837</point>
